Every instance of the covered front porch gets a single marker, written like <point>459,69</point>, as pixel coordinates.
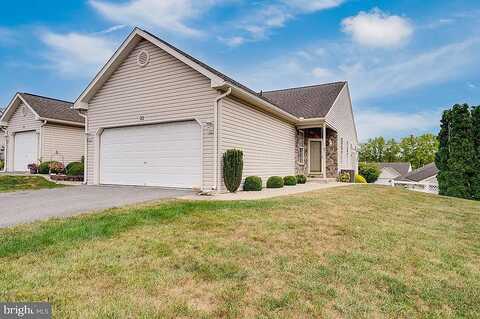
<point>317,152</point>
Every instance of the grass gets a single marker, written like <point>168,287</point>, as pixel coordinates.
<point>350,252</point>
<point>10,183</point>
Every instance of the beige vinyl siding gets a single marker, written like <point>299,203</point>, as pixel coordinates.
<point>62,143</point>
<point>19,122</point>
<point>341,118</point>
<point>164,90</point>
<point>268,143</point>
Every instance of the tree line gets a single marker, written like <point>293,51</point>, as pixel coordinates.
<point>417,150</point>
<point>458,157</point>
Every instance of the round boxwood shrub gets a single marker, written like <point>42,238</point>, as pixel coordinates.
<point>50,167</point>
<point>360,179</point>
<point>369,171</point>
<point>301,179</point>
<point>2,164</point>
<point>289,181</point>
<point>44,168</point>
<point>252,183</point>
<point>275,182</point>
<point>74,169</point>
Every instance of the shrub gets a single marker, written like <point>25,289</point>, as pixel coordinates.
<point>56,167</point>
<point>2,164</point>
<point>232,169</point>
<point>33,168</point>
<point>344,177</point>
<point>360,179</point>
<point>252,183</point>
<point>289,181</point>
<point>275,182</point>
<point>369,171</point>
<point>74,169</point>
<point>43,168</point>
<point>301,179</point>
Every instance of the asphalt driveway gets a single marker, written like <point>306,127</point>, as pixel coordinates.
<point>28,206</point>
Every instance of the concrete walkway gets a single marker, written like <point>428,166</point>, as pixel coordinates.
<point>27,206</point>
<point>266,192</point>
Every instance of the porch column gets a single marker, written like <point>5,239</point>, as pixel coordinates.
<point>324,150</point>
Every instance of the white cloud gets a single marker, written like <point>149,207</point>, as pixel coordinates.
<point>77,54</point>
<point>7,36</point>
<point>471,85</point>
<point>113,29</point>
<point>313,5</point>
<point>321,73</point>
<point>233,41</point>
<point>377,29</point>
<point>168,15</point>
<point>373,122</point>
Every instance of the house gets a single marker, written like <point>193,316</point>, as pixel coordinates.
<point>426,174</point>
<point>41,129</point>
<point>2,142</point>
<point>157,116</point>
<point>391,171</point>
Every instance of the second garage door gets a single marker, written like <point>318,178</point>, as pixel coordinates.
<point>25,150</point>
<point>167,155</point>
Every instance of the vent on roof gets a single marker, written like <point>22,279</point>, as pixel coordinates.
<point>143,58</point>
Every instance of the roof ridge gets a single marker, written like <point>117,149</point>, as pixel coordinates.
<point>46,97</point>
<point>306,86</point>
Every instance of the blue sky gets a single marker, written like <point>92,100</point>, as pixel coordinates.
<point>405,60</point>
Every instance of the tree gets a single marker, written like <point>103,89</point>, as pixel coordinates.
<point>392,151</point>
<point>475,180</point>
<point>373,150</point>
<point>443,153</point>
<point>408,146</point>
<point>426,147</point>
<point>369,171</point>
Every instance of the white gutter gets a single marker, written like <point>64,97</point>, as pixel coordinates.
<point>40,142</point>
<point>215,134</point>
<point>85,148</point>
<point>60,121</point>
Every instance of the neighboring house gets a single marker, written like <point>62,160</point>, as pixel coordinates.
<point>391,171</point>
<point>156,116</point>
<point>424,174</point>
<point>2,142</point>
<point>41,129</point>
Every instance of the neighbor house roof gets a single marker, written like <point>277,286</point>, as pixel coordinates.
<point>44,108</point>
<point>401,167</point>
<point>311,102</point>
<point>421,173</point>
<point>307,102</point>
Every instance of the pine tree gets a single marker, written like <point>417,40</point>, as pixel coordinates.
<point>442,156</point>
<point>461,152</point>
<point>475,180</point>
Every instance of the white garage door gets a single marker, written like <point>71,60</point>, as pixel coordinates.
<point>25,150</point>
<point>166,155</point>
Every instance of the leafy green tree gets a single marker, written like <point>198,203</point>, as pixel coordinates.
<point>461,152</point>
<point>443,154</point>
<point>426,147</point>
<point>475,180</point>
<point>408,146</point>
<point>369,171</point>
<point>373,150</point>
<point>392,151</point>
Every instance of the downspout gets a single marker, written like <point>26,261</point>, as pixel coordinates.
<point>215,133</point>
<point>40,142</point>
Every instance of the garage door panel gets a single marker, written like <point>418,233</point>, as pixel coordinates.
<point>25,150</point>
<point>152,155</point>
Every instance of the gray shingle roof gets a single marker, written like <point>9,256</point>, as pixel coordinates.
<point>307,102</point>
<point>421,173</point>
<point>52,108</point>
<point>401,167</point>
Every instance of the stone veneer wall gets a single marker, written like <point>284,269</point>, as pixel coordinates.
<point>332,158</point>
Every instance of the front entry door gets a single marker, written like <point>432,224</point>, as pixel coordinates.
<point>315,156</point>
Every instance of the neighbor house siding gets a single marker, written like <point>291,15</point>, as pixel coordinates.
<point>268,143</point>
<point>62,143</point>
<point>341,118</point>
<point>164,90</point>
<point>19,122</point>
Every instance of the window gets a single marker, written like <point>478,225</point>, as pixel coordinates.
<point>341,151</point>
<point>301,148</point>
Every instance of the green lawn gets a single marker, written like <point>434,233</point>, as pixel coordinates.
<point>349,252</point>
<point>10,183</point>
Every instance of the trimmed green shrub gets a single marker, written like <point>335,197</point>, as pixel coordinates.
<point>2,164</point>
<point>369,171</point>
<point>74,169</point>
<point>252,183</point>
<point>360,179</point>
<point>43,168</point>
<point>289,181</point>
<point>301,179</point>
<point>232,169</point>
<point>275,182</point>
<point>50,167</point>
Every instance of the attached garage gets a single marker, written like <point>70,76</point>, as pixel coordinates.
<point>25,150</point>
<point>167,155</point>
